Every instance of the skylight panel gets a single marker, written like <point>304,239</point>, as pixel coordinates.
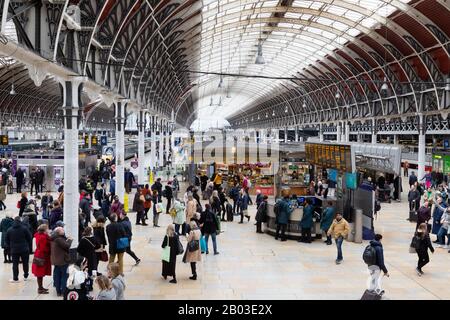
<point>324,21</point>
<point>302,4</point>
<point>386,10</point>
<point>335,10</point>
<point>340,26</point>
<point>353,32</point>
<point>368,22</point>
<point>352,15</point>
<point>292,15</point>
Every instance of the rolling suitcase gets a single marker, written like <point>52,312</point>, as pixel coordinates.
<point>370,295</point>
<point>229,209</point>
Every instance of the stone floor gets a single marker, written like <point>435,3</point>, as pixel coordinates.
<point>255,266</point>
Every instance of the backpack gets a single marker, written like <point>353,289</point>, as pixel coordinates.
<point>370,255</point>
<point>276,208</point>
<point>148,197</point>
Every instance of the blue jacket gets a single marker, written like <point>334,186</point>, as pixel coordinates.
<point>243,202</point>
<point>327,219</point>
<point>437,215</point>
<point>285,211</point>
<point>380,254</point>
<point>307,219</point>
<point>234,193</point>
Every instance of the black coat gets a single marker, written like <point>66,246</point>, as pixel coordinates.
<point>423,244</point>
<point>18,238</point>
<point>19,176</point>
<point>40,176</point>
<point>208,219</point>
<point>168,268</point>
<point>169,192</point>
<point>261,214</point>
<point>99,234</point>
<point>22,205</point>
<point>115,231</point>
<point>138,204</point>
<point>86,248</point>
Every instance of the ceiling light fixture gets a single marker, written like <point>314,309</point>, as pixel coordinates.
<point>304,105</point>
<point>267,115</point>
<point>338,95</point>
<point>258,117</point>
<point>273,113</point>
<point>384,87</point>
<point>211,103</point>
<point>13,91</point>
<point>259,58</point>
<point>286,109</point>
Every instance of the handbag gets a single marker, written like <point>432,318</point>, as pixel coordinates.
<point>193,245</point>
<point>180,248</point>
<point>38,261</point>
<point>203,244</point>
<point>104,256</point>
<point>159,207</point>
<point>412,250</point>
<point>122,243</point>
<point>165,254</point>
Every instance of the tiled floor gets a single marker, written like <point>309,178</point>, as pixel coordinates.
<point>255,266</point>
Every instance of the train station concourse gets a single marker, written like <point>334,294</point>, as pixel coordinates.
<point>231,150</point>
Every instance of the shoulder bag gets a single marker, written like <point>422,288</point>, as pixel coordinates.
<point>180,248</point>
<point>38,261</point>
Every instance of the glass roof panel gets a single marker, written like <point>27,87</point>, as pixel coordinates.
<point>231,32</point>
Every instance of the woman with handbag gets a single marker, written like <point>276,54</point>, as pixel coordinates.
<point>193,253</point>
<point>422,244</point>
<point>170,240</point>
<point>156,209</point>
<point>42,266</point>
<point>138,206</point>
<point>87,247</point>
<point>100,238</point>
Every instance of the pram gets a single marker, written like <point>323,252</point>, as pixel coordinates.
<point>384,195</point>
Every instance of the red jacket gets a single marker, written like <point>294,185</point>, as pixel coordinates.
<point>42,251</point>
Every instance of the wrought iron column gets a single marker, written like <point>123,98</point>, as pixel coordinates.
<point>141,148</point>
<point>421,158</point>
<point>119,111</point>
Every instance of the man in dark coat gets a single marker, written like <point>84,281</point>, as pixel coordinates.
<point>125,222</point>
<point>18,239</point>
<point>261,214</point>
<point>40,178</point>
<point>284,213</point>
<point>19,180</point>
<point>85,206</point>
<point>423,215</point>
<point>412,179</point>
<point>33,182</point>
<point>129,180</point>
<point>115,231</point>
<point>158,187</point>
<point>60,257</point>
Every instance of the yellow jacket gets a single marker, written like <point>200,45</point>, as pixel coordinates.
<point>339,228</point>
<point>218,179</point>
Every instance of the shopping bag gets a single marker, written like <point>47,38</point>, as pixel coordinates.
<point>159,207</point>
<point>203,244</point>
<point>165,254</point>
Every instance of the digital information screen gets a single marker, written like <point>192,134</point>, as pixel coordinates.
<point>330,156</point>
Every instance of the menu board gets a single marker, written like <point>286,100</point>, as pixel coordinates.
<point>330,156</point>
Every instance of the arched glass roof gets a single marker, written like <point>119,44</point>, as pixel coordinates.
<point>294,35</point>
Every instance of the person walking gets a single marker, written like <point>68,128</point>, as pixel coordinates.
<point>87,247</point>
<point>261,214</point>
<point>18,239</point>
<point>191,207</point>
<point>179,219</point>
<point>2,196</point>
<point>168,195</point>
<point>156,209</point>
<point>208,221</point>
<point>423,244</point>
<point>125,221</point>
<point>56,214</point>
<point>443,231</point>
<point>114,232</point>
<point>243,205</point>
<point>158,187</point>
<point>138,206</point>
<point>306,222</point>
<point>327,220</point>
<point>223,201</point>
<point>283,211</point>
<point>46,202</point>
<point>60,258</point>
<point>175,187</point>
<point>405,168</point>
<point>412,179</point>
<point>23,203</point>
<point>6,223</point>
<point>414,199</point>
<point>439,208</point>
<point>193,253</point>
<point>33,182</point>
<point>85,206</point>
<point>20,177</point>
<point>117,281</point>
<point>42,265</point>
<point>100,237</point>
<point>339,231</point>
<point>170,240</point>
<point>374,281</point>
<point>234,195</point>
<point>147,193</point>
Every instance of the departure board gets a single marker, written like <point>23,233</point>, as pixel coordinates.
<point>330,156</point>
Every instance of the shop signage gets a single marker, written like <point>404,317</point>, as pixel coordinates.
<point>104,140</point>
<point>333,156</point>
<point>4,140</point>
<point>94,140</point>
